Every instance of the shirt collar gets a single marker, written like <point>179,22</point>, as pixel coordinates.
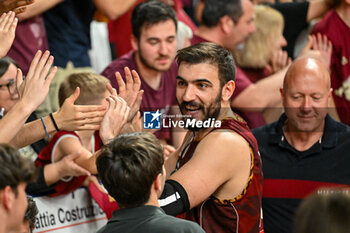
<point>329,137</point>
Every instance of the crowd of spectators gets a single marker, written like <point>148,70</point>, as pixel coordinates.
<point>275,76</point>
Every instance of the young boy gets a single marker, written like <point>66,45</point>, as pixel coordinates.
<point>93,91</point>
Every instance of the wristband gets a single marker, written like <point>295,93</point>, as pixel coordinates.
<point>47,134</point>
<point>54,122</point>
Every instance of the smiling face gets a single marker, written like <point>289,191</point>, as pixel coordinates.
<point>156,46</point>
<point>198,90</point>
<point>306,94</point>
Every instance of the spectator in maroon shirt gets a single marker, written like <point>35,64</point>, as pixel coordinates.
<point>154,26</point>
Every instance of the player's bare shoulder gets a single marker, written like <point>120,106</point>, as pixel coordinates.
<point>227,141</point>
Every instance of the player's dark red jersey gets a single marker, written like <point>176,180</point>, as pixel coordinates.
<point>241,214</point>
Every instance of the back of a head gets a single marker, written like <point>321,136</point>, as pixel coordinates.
<point>128,166</point>
<point>92,88</point>
<point>14,169</point>
<point>326,211</point>
<point>209,53</point>
<point>214,10</point>
<point>149,13</point>
<point>257,50</point>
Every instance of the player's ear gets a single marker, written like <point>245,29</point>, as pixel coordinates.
<point>227,90</point>
<point>158,183</point>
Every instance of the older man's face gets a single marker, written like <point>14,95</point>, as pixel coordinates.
<point>306,97</point>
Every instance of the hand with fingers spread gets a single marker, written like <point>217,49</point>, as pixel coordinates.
<point>114,119</point>
<point>319,47</point>
<point>18,6</point>
<point>72,117</point>
<point>324,46</point>
<point>8,24</point>
<point>35,88</point>
<point>130,90</point>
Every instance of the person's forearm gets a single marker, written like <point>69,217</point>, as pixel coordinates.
<point>37,8</point>
<point>13,121</point>
<point>52,173</point>
<point>262,94</point>
<point>32,132</point>
<point>39,187</point>
<point>90,164</point>
<point>317,8</point>
<point>113,9</point>
<point>170,163</point>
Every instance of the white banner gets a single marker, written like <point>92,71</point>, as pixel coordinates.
<point>74,212</point>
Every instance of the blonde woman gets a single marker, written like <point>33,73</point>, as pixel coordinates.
<point>262,54</point>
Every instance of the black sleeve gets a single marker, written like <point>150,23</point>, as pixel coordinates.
<point>174,199</point>
<point>39,187</point>
<point>295,21</point>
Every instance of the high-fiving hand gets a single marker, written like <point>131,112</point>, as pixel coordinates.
<point>8,24</point>
<point>35,88</point>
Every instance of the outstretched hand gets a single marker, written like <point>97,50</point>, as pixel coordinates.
<point>35,88</point>
<point>320,47</point>
<point>8,24</point>
<point>114,119</point>
<point>129,90</point>
<point>324,46</point>
<point>72,117</point>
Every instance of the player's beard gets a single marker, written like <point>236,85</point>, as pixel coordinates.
<point>210,112</point>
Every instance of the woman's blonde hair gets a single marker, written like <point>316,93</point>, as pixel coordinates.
<point>257,50</point>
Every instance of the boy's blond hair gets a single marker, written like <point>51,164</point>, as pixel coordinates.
<point>92,88</point>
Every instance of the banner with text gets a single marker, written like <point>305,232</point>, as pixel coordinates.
<point>74,212</point>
